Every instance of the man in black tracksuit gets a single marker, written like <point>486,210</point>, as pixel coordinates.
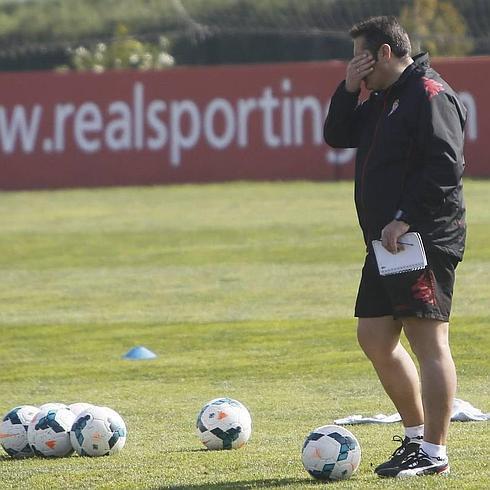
<point>409,164</point>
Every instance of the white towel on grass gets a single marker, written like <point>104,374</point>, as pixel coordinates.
<point>462,412</point>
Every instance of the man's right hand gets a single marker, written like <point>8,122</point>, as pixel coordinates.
<point>359,67</point>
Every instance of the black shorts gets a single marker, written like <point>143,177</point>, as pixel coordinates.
<point>424,293</point>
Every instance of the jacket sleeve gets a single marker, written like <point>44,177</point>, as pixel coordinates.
<point>440,138</point>
<point>343,125</point>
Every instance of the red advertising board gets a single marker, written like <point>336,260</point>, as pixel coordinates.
<point>193,124</point>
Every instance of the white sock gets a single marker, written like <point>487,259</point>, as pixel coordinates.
<point>434,450</point>
<point>415,432</point>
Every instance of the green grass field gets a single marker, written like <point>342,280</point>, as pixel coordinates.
<point>243,290</point>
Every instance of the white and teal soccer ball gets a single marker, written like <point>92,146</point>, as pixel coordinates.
<point>224,423</point>
<point>13,431</point>
<point>78,407</point>
<point>98,431</point>
<point>52,405</point>
<point>331,453</point>
<point>48,433</point>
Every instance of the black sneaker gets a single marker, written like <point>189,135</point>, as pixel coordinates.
<point>407,448</point>
<point>421,464</point>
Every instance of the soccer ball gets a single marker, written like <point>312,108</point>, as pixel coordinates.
<point>52,406</point>
<point>224,423</point>
<point>48,433</point>
<point>331,453</point>
<point>13,431</point>
<point>79,407</point>
<point>98,431</point>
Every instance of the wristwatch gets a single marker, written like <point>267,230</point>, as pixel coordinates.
<point>400,215</point>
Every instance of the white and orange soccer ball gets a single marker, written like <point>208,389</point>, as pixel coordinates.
<point>98,431</point>
<point>48,432</point>
<point>78,407</point>
<point>331,453</point>
<point>13,431</point>
<point>52,405</point>
<point>224,423</point>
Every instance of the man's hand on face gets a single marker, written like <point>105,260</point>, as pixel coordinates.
<point>359,67</point>
<point>391,233</point>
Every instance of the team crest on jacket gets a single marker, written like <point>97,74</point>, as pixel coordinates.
<point>394,107</point>
<point>432,87</point>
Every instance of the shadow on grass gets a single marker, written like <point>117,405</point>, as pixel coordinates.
<point>5,458</point>
<point>194,450</point>
<point>274,482</point>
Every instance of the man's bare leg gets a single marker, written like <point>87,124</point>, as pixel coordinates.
<point>380,340</point>
<point>429,341</point>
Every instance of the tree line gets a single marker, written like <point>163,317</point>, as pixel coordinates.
<point>46,34</point>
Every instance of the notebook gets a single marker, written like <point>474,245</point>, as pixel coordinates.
<point>411,258</point>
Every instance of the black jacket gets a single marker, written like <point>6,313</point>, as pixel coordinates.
<point>410,155</point>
